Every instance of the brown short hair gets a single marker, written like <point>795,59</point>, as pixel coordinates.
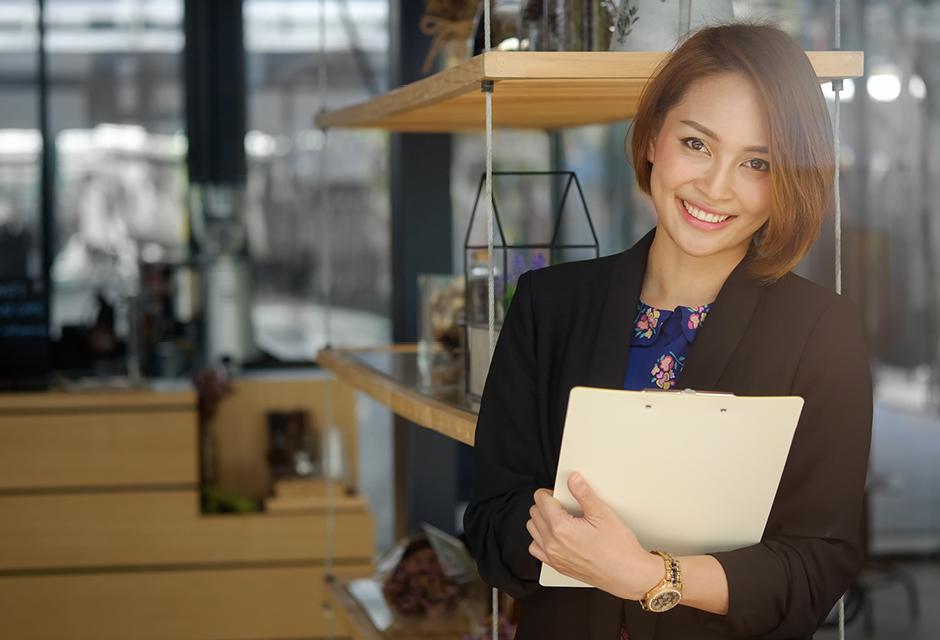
<point>801,151</point>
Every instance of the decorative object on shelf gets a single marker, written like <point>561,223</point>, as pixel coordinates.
<point>426,586</point>
<point>292,450</point>
<point>567,25</point>
<point>441,310</point>
<point>506,30</point>
<point>423,574</point>
<point>657,25</point>
<point>212,385</point>
<point>450,25</point>
<point>603,24</point>
<point>532,228</point>
<point>440,329</point>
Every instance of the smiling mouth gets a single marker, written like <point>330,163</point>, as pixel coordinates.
<point>704,216</point>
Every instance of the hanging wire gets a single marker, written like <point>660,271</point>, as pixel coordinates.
<point>842,618</point>
<point>837,91</point>
<point>491,281</point>
<point>326,278</point>
<point>326,272</point>
<point>491,284</point>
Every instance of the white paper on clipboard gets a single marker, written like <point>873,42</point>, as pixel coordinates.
<point>690,473</point>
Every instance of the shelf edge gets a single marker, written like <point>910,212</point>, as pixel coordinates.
<point>431,414</point>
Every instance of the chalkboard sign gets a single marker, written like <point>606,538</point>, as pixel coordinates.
<point>24,332</point>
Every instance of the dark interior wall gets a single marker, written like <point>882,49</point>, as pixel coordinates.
<point>421,237</point>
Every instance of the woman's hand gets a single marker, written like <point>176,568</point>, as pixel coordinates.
<point>597,548</point>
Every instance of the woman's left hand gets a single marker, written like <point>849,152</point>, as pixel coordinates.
<point>596,548</point>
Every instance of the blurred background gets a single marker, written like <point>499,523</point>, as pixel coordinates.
<point>179,239</point>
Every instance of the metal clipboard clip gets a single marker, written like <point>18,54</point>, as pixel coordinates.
<point>689,392</point>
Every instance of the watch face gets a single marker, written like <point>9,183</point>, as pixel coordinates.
<point>665,600</point>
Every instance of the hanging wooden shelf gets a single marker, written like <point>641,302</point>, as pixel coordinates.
<point>390,375</point>
<point>533,90</point>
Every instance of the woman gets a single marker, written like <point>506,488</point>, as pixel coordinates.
<point>732,141</point>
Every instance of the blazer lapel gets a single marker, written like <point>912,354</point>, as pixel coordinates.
<point>722,330</point>
<point>716,340</point>
<point>609,360</point>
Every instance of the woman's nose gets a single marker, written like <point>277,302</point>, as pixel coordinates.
<point>717,182</point>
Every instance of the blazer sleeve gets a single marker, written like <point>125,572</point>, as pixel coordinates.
<point>506,456</point>
<point>811,552</point>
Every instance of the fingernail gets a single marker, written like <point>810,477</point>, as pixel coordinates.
<point>576,479</point>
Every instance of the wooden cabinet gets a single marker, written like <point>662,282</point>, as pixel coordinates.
<point>101,533</point>
<point>170,604</point>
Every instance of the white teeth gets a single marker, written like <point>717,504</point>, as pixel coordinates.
<point>701,215</point>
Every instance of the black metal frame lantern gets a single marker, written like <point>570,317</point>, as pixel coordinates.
<point>507,268</point>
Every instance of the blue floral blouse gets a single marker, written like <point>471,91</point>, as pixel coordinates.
<point>659,344</point>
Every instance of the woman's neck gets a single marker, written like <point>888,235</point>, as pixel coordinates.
<point>676,279</point>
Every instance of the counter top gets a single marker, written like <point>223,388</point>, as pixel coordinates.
<point>115,398</point>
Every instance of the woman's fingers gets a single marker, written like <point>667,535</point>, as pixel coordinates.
<point>534,532</point>
<point>540,520</point>
<point>536,552</point>
<point>551,509</point>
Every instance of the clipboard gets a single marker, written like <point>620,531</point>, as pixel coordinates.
<point>691,472</point>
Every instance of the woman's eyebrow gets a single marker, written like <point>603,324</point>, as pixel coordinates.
<point>711,134</point>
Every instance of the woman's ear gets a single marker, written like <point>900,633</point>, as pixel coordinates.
<point>651,150</point>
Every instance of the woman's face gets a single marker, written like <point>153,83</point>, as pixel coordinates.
<point>710,180</point>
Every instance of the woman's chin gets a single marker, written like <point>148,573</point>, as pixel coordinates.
<point>698,248</point>
<point>698,245</point>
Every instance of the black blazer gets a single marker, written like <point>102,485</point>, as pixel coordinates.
<point>570,325</point>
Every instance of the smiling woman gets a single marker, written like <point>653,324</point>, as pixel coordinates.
<point>732,143</point>
<point>739,120</point>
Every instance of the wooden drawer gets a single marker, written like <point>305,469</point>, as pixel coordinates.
<point>94,448</point>
<point>243,604</point>
<point>145,529</point>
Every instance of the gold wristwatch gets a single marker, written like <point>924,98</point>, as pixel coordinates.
<point>667,594</point>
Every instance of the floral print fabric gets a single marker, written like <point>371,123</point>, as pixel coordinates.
<point>659,344</point>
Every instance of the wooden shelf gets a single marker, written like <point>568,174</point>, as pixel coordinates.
<point>533,90</point>
<point>349,612</point>
<point>387,374</point>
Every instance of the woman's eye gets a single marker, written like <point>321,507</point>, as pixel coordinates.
<point>695,144</point>
<point>758,165</point>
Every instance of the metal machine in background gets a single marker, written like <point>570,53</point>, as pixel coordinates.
<point>219,233</point>
<point>215,127</point>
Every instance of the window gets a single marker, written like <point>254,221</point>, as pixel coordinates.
<point>117,119</point>
<point>282,40</point>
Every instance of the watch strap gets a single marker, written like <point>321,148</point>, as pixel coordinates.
<point>672,581</point>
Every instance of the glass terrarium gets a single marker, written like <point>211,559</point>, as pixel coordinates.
<point>540,218</point>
